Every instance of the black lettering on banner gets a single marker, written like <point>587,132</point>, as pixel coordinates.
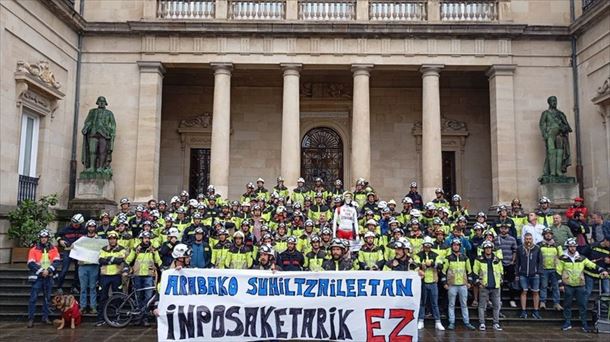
<point>170,321</point>
<point>230,316</point>
<point>332,323</point>
<point>266,329</point>
<point>203,316</point>
<point>308,323</point>
<point>321,331</point>
<point>186,322</point>
<point>344,333</point>
<point>295,312</point>
<point>218,321</point>
<point>279,323</point>
<point>251,315</point>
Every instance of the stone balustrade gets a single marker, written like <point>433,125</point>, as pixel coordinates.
<point>483,10</point>
<point>337,10</point>
<point>405,10</point>
<point>186,9</point>
<point>327,10</point>
<point>257,10</point>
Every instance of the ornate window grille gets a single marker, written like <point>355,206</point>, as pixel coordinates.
<point>322,155</point>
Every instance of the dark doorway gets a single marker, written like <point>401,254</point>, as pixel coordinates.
<point>322,156</point>
<point>199,178</point>
<point>449,181</point>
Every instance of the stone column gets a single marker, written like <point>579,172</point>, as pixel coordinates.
<point>361,123</point>
<point>362,10</point>
<point>434,11</point>
<point>292,9</point>
<point>146,180</point>
<point>222,12</point>
<point>149,9</point>
<point>503,134</point>
<point>221,128</point>
<point>291,134</point>
<point>432,157</point>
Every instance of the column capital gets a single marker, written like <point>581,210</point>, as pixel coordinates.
<point>362,69</point>
<point>291,68</point>
<point>222,68</point>
<point>151,67</point>
<point>431,69</point>
<point>501,70</point>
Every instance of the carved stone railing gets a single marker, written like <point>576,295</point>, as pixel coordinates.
<point>405,10</point>
<point>186,9</point>
<point>464,10</point>
<point>257,10</point>
<point>327,10</point>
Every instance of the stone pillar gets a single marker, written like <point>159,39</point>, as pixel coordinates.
<point>146,180</point>
<point>221,12</point>
<point>362,10</point>
<point>149,9</point>
<point>361,123</point>
<point>432,158</point>
<point>434,11</point>
<point>503,137</point>
<point>292,10</point>
<point>221,128</point>
<point>291,133</point>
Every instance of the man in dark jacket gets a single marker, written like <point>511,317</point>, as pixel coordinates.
<point>528,270</point>
<point>201,254</point>
<point>65,238</point>
<point>338,260</point>
<point>580,229</point>
<point>418,202</point>
<point>291,259</point>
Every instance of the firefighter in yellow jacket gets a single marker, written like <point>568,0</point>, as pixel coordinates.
<point>144,260</point>
<point>111,260</point>
<point>487,271</point>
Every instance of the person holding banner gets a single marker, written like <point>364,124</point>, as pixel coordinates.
<point>370,256</point>
<point>291,259</point>
<point>315,257</point>
<point>144,260</point>
<point>338,261</point>
<point>456,279</point>
<point>43,260</point>
<point>266,259</point>
<point>65,238</point>
<point>88,274</point>
<point>401,261</point>
<point>111,260</point>
<point>429,262</point>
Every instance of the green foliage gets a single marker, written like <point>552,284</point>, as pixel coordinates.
<point>29,218</point>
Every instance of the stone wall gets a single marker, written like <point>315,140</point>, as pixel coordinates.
<point>29,32</point>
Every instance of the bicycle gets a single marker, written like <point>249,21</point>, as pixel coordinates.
<point>121,308</point>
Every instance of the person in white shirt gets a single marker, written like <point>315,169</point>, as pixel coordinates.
<point>533,228</point>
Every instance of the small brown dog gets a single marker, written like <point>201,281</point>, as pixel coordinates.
<point>70,311</point>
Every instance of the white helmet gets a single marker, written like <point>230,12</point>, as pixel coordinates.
<point>91,223</point>
<point>382,204</point>
<point>371,221</point>
<point>456,198</point>
<point>78,218</point>
<point>193,202</point>
<point>173,232</point>
<point>174,200</point>
<point>415,213</point>
<point>180,251</point>
<point>428,241</point>
<point>407,200</point>
<point>369,234</point>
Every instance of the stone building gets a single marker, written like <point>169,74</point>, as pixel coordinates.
<point>444,92</point>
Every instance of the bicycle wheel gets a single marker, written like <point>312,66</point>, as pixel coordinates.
<point>119,310</point>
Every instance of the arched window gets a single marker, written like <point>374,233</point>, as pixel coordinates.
<point>322,155</point>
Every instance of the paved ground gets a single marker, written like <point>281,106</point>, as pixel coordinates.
<point>89,333</point>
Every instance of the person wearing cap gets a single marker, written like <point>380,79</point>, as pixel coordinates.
<point>580,229</point>
<point>201,254</point>
<point>370,256</point>
<point>319,207</point>
<point>88,274</point>
<point>220,249</point>
<point>239,256</point>
<point>111,261</point>
<point>43,261</point>
<point>66,236</point>
<point>578,206</point>
<point>416,198</point>
<point>570,268</point>
<point>345,220</point>
<point>599,253</point>
<point>440,200</point>
<point>315,256</point>
<point>487,273</point>
<point>338,260</point>
<point>291,259</point>
<point>144,260</point>
<point>508,245</point>
<point>456,278</point>
<point>429,262</point>
<point>544,212</point>
<point>167,246</point>
<point>503,219</point>
<point>528,269</point>
<point>550,254</point>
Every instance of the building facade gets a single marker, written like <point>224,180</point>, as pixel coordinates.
<point>446,93</point>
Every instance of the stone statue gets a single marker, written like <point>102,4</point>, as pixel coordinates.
<point>99,131</point>
<point>555,128</point>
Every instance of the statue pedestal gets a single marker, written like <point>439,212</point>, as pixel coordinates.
<point>560,194</point>
<point>94,195</point>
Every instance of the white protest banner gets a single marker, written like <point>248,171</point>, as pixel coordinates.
<point>246,305</point>
<point>87,249</point>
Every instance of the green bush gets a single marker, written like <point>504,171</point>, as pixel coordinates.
<point>29,218</point>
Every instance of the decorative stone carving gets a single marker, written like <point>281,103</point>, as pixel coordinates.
<point>604,88</point>
<point>201,121</point>
<point>37,88</point>
<point>41,71</point>
<point>448,127</point>
<point>325,90</point>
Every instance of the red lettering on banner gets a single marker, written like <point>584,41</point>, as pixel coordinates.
<point>405,315</point>
<point>369,314</point>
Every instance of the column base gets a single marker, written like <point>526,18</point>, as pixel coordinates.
<point>560,194</point>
